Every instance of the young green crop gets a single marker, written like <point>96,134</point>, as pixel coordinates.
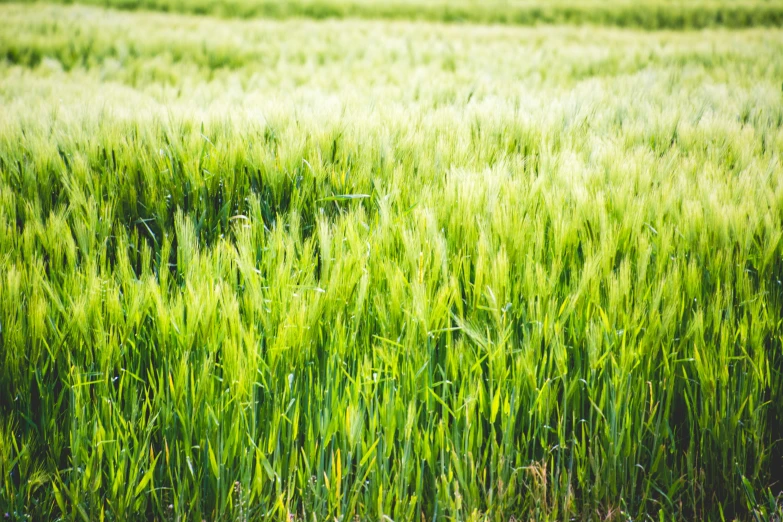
<point>315,270</point>
<point>642,14</point>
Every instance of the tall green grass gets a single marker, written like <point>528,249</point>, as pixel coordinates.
<point>405,282</point>
<point>642,14</point>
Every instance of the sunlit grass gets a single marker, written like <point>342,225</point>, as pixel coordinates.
<point>642,14</point>
<point>318,270</point>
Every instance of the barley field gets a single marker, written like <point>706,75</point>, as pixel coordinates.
<point>320,260</point>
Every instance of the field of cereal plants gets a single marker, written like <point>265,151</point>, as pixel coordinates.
<point>411,261</point>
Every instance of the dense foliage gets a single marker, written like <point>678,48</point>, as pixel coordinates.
<point>331,269</point>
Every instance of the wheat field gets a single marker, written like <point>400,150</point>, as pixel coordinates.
<point>260,261</point>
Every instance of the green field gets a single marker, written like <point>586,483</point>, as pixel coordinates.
<point>325,265</point>
<point>645,14</point>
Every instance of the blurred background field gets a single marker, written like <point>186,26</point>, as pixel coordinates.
<point>391,261</point>
<point>644,14</point>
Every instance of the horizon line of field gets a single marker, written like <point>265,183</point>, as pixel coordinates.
<point>645,15</point>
